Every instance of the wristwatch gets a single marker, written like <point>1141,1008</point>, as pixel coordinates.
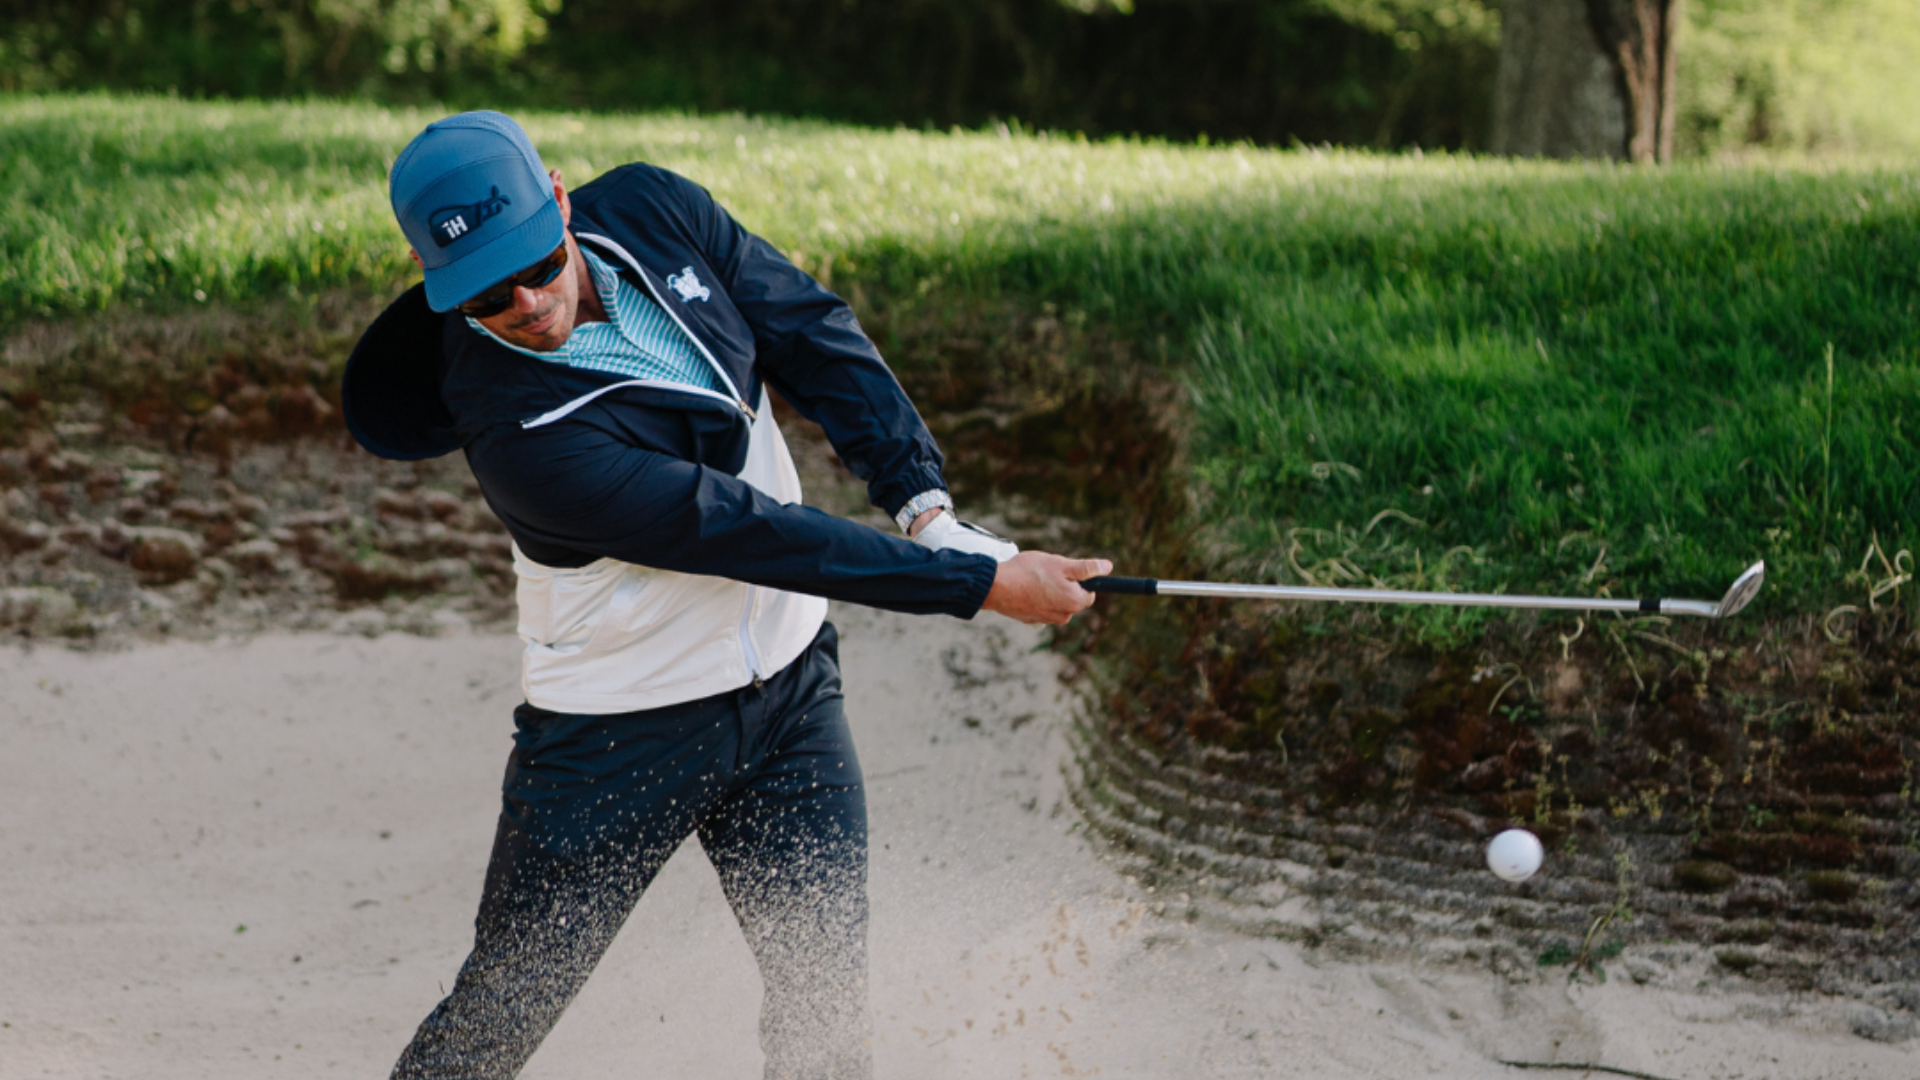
<point>920,504</point>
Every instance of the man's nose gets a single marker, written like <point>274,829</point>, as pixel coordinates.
<point>525,300</point>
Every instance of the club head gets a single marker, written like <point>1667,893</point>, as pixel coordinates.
<point>1745,588</point>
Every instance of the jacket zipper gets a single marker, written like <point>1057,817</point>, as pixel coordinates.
<point>647,280</point>
<point>652,384</point>
<point>747,650</point>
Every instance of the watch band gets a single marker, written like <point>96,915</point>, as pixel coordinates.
<point>920,504</point>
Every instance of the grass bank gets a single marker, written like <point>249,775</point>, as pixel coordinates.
<point>1440,372</point>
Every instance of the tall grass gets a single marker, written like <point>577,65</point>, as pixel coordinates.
<point>145,200</point>
<point>1576,377</point>
<point>1427,371</point>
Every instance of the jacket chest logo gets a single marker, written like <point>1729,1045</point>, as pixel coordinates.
<point>686,284</point>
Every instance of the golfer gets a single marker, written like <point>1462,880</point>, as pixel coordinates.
<point>603,358</point>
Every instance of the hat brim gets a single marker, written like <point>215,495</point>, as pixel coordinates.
<point>499,259</point>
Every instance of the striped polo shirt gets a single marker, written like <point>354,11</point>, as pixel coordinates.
<point>639,340</point>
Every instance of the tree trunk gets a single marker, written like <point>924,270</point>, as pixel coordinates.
<point>1638,36</point>
<point>1586,79</point>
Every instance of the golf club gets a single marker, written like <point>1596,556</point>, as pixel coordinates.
<point>1744,589</point>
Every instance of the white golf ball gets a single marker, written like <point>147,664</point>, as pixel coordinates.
<point>1514,855</point>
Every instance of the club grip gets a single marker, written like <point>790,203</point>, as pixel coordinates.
<point>1126,586</point>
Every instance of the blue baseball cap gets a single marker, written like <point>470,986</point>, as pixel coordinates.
<point>475,202</point>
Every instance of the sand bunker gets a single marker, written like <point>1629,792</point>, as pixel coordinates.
<point>260,857</point>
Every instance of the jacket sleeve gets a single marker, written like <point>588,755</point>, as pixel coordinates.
<point>812,349</point>
<point>578,487</point>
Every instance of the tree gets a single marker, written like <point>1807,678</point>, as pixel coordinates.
<point>1587,78</point>
<point>262,47</point>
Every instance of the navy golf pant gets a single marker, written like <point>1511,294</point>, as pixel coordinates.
<point>592,807</point>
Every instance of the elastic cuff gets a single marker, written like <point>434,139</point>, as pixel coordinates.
<point>980,585</point>
<point>893,494</point>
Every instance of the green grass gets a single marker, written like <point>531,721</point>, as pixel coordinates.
<point>1557,371</point>
<point>1439,371</point>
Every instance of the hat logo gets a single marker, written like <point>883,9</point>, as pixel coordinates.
<point>449,223</point>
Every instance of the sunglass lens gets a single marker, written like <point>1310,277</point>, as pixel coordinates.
<point>500,297</point>
<point>488,304</point>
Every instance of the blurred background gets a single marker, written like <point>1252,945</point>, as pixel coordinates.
<point>1558,78</point>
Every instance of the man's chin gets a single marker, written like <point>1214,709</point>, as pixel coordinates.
<point>548,340</point>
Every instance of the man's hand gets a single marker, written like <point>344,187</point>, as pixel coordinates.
<point>1035,587</point>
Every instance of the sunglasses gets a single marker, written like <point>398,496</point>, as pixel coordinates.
<point>500,297</point>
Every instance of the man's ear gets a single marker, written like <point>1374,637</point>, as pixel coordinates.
<point>560,196</point>
<point>415,256</point>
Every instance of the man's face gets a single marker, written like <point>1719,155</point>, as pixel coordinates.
<point>543,319</point>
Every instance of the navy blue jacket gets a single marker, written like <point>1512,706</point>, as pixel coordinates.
<point>649,475</point>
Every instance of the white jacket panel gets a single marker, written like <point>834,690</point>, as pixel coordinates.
<point>614,637</point>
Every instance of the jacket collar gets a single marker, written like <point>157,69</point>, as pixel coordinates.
<point>421,383</point>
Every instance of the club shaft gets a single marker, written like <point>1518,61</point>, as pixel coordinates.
<point>1151,587</point>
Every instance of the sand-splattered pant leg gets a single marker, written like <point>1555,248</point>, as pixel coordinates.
<point>790,845</point>
<point>593,806</point>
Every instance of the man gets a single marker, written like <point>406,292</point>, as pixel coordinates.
<point>603,358</point>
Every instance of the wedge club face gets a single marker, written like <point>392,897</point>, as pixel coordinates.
<point>1745,588</point>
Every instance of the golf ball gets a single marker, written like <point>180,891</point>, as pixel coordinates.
<point>1514,855</point>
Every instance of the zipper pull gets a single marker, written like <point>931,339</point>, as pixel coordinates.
<point>748,409</point>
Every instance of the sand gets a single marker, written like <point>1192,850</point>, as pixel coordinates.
<point>260,858</point>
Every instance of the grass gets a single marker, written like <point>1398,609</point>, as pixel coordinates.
<point>1446,371</point>
<point>1564,377</point>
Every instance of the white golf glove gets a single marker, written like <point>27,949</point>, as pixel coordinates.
<point>949,533</point>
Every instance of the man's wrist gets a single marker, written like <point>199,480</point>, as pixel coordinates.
<point>932,499</point>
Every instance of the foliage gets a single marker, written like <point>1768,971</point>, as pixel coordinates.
<point>1811,75</point>
<point>1441,371</point>
<point>1381,72</point>
<point>1829,76</point>
<point>1420,24</point>
<point>263,47</point>
<point>1269,70</point>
